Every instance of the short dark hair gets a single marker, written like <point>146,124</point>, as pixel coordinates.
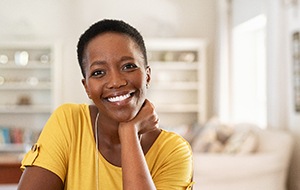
<point>104,26</point>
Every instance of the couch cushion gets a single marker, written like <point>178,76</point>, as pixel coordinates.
<point>212,137</point>
<point>242,142</point>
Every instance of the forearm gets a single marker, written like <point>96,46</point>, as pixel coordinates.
<point>136,174</point>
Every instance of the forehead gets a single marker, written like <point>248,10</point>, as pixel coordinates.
<point>111,45</point>
<point>104,41</point>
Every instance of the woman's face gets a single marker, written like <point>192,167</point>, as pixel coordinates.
<point>116,76</point>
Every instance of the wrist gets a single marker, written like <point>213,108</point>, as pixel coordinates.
<point>127,131</point>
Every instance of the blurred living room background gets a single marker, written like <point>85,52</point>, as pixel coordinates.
<point>228,69</point>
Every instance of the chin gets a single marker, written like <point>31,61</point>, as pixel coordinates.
<point>125,115</point>
<point>128,112</point>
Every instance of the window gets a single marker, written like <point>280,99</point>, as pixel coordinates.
<point>248,80</point>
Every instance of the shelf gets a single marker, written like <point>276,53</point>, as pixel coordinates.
<point>171,65</point>
<point>178,80</point>
<point>25,86</point>
<point>30,88</point>
<point>179,44</point>
<point>175,108</point>
<point>161,85</point>
<point>8,109</point>
<point>12,148</point>
<point>30,65</point>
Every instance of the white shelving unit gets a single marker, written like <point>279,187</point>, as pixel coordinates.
<point>29,88</point>
<point>178,82</point>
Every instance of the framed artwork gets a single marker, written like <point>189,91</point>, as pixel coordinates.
<point>296,70</point>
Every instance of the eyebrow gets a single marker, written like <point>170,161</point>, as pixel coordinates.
<point>97,63</point>
<point>123,58</point>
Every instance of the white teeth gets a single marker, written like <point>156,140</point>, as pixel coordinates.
<point>119,98</point>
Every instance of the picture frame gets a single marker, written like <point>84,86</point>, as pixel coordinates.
<point>296,70</point>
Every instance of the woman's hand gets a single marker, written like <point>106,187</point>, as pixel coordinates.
<point>136,174</point>
<point>145,121</point>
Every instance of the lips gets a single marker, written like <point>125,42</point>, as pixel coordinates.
<point>119,98</point>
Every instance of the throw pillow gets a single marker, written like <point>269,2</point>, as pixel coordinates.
<point>242,142</point>
<point>207,140</point>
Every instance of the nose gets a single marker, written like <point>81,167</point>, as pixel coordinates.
<point>116,80</point>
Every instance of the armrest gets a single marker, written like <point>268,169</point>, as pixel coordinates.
<point>236,166</point>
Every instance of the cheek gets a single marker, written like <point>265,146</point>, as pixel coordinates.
<point>140,81</point>
<point>142,85</point>
<point>94,89</point>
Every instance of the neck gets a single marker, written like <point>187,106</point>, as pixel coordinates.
<point>107,131</point>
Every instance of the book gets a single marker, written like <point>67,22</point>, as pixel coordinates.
<point>4,135</point>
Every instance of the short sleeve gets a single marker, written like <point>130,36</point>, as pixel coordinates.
<point>30,157</point>
<point>51,150</point>
<point>173,164</point>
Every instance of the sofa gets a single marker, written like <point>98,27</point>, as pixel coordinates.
<point>261,163</point>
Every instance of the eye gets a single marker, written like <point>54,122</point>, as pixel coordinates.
<point>97,73</point>
<point>130,66</point>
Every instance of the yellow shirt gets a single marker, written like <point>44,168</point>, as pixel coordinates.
<point>67,147</point>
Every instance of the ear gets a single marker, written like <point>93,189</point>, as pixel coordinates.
<point>148,75</point>
<point>83,81</point>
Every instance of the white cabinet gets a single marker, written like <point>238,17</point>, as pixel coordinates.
<point>178,82</point>
<point>29,91</point>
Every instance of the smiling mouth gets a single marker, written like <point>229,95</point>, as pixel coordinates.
<point>119,98</point>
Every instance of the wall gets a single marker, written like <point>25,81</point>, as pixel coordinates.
<point>283,21</point>
<point>248,64</point>
<point>245,10</point>
<point>46,20</point>
<point>161,18</point>
<point>33,19</point>
<point>292,16</point>
<point>277,96</point>
<point>65,20</point>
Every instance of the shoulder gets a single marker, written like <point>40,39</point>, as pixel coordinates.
<point>172,141</point>
<point>71,109</point>
<point>67,120</point>
<point>70,113</point>
<point>172,137</point>
<point>171,153</point>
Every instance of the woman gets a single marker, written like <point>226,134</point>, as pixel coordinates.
<point>115,143</point>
